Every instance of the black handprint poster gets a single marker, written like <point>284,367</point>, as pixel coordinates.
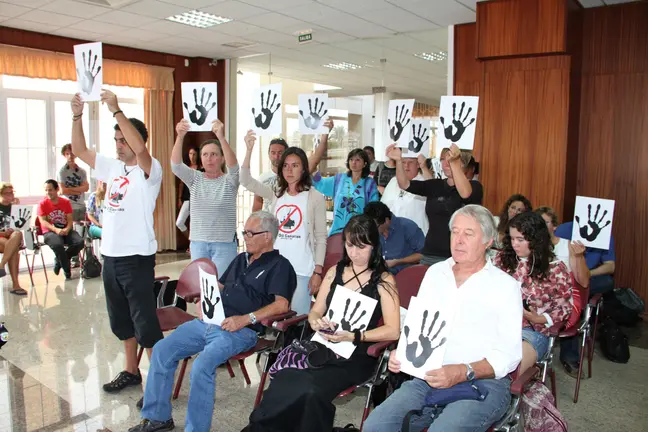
<point>422,343</point>
<point>88,59</point>
<point>267,110</point>
<point>420,139</point>
<point>199,104</point>
<point>211,304</point>
<point>21,216</point>
<point>399,121</point>
<point>458,116</point>
<point>351,311</point>
<point>313,112</point>
<point>593,222</point>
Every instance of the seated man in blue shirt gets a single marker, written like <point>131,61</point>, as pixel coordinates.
<point>601,265</point>
<point>258,284</point>
<point>401,239</point>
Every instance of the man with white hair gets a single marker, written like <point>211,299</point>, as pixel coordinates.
<point>484,337</point>
<point>258,284</point>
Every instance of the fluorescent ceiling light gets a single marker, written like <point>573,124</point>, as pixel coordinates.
<point>434,56</point>
<point>342,66</point>
<point>324,87</point>
<point>196,18</point>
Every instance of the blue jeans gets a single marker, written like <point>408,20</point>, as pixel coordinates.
<point>221,253</point>
<point>215,346</point>
<point>537,340</point>
<point>301,301</point>
<point>460,415</point>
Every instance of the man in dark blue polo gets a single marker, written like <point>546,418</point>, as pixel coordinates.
<point>402,240</point>
<point>601,265</point>
<point>258,284</point>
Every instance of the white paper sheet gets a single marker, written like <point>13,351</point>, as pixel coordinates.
<point>21,216</point>
<point>200,104</point>
<point>593,222</point>
<point>210,299</point>
<point>399,121</point>
<point>267,110</point>
<point>88,59</point>
<point>313,112</point>
<point>458,116</point>
<point>420,139</point>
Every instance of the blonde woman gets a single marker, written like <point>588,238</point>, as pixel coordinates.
<point>95,209</point>
<point>10,239</point>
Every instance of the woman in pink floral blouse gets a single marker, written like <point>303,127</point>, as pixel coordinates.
<point>546,282</point>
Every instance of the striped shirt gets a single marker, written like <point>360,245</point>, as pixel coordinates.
<point>212,203</point>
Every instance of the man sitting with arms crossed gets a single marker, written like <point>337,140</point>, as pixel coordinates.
<point>484,340</point>
<point>401,239</point>
<point>258,284</point>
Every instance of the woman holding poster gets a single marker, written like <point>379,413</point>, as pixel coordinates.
<point>528,256</point>
<point>301,399</point>
<point>301,212</point>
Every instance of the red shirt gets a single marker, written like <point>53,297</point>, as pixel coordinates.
<point>56,214</point>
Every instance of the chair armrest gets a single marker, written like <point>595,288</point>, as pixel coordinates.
<point>518,385</point>
<point>269,321</point>
<point>285,324</point>
<point>595,299</point>
<point>376,349</point>
<point>555,329</point>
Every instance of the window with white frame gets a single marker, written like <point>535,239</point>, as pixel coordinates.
<point>36,121</point>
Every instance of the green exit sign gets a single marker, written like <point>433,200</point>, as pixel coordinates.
<point>307,37</point>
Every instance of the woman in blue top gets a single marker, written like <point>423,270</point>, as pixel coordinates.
<point>350,191</point>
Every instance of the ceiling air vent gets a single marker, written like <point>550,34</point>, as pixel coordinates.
<point>238,45</point>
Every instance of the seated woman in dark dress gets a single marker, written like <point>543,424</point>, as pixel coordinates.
<point>301,399</point>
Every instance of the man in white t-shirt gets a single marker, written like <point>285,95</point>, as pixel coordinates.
<point>404,204</point>
<point>128,241</point>
<point>269,178</point>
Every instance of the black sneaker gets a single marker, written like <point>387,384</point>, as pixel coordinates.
<point>571,369</point>
<point>153,426</point>
<point>140,403</point>
<point>122,380</point>
<point>57,268</point>
<point>68,275</point>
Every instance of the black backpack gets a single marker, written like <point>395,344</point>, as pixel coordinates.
<point>617,311</point>
<point>614,343</point>
<point>91,265</point>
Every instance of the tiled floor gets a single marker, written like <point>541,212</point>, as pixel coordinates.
<point>61,351</point>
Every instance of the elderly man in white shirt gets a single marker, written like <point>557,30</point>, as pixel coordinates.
<point>404,204</point>
<point>484,341</point>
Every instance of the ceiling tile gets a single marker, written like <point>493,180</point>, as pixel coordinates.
<point>99,27</point>
<point>144,35</point>
<point>124,19</point>
<point>234,10</point>
<point>355,26</point>
<point>357,7</point>
<point>41,16</point>
<point>270,37</point>
<point>311,12</point>
<point>330,36</point>
<point>450,12</point>
<point>278,5</point>
<point>397,19</point>
<point>165,27</point>
<point>11,10</point>
<point>236,28</point>
<point>75,9</point>
<point>433,38</point>
<point>28,3</point>
<point>278,22</point>
<point>29,25</point>
<point>192,4</point>
<point>78,34</point>
<point>155,9</point>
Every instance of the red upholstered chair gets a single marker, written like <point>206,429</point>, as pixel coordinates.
<point>334,244</point>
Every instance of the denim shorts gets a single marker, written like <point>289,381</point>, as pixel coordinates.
<point>538,341</point>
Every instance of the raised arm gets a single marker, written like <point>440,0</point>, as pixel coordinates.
<point>182,128</point>
<point>219,130</point>
<point>394,153</point>
<point>320,151</point>
<point>246,179</point>
<point>458,175</point>
<point>79,147</point>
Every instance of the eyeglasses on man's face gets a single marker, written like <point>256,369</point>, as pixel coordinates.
<point>250,234</point>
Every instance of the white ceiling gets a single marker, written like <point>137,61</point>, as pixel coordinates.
<point>353,31</point>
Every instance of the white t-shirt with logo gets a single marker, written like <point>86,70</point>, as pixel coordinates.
<point>128,207</point>
<point>292,241</point>
<point>406,205</point>
<point>269,179</point>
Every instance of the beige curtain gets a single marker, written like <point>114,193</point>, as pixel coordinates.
<point>158,115</point>
<point>158,86</point>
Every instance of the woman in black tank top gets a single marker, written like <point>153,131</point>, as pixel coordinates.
<point>301,399</point>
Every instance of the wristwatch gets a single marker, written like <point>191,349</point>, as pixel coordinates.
<point>470,373</point>
<point>253,319</point>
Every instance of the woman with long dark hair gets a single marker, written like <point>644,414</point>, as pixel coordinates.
<point>350,191</point>
<point>528,256</point>
<point>513,206</point>
<point>301,212</point>
<point>301,399</point>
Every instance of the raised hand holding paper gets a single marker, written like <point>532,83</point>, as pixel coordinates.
<point>422,343</point>
<point>199,100</point>
<point>593,222</point>
<point>313,112</point>
<point>211,303</point>
<point>351,311</point>
<point>420,139</point>
<point>399,120</point>
<point>88,59</point>
<point>267,114</point>
<point>458,115</point>
<point>21,217</point>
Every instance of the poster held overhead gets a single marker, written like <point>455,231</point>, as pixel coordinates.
<point>313,112</point>
<point>88,59</point>
<point>420,139</point>
<point>399,118</point>
<point>458,116</point>
<point>267,114</point>
<point>200,100</point>
<point>211,303</point>
<point>593,222</point>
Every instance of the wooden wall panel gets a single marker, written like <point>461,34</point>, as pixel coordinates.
<point>521,27</point>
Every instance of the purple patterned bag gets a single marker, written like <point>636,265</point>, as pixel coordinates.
<point>302,354</point>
